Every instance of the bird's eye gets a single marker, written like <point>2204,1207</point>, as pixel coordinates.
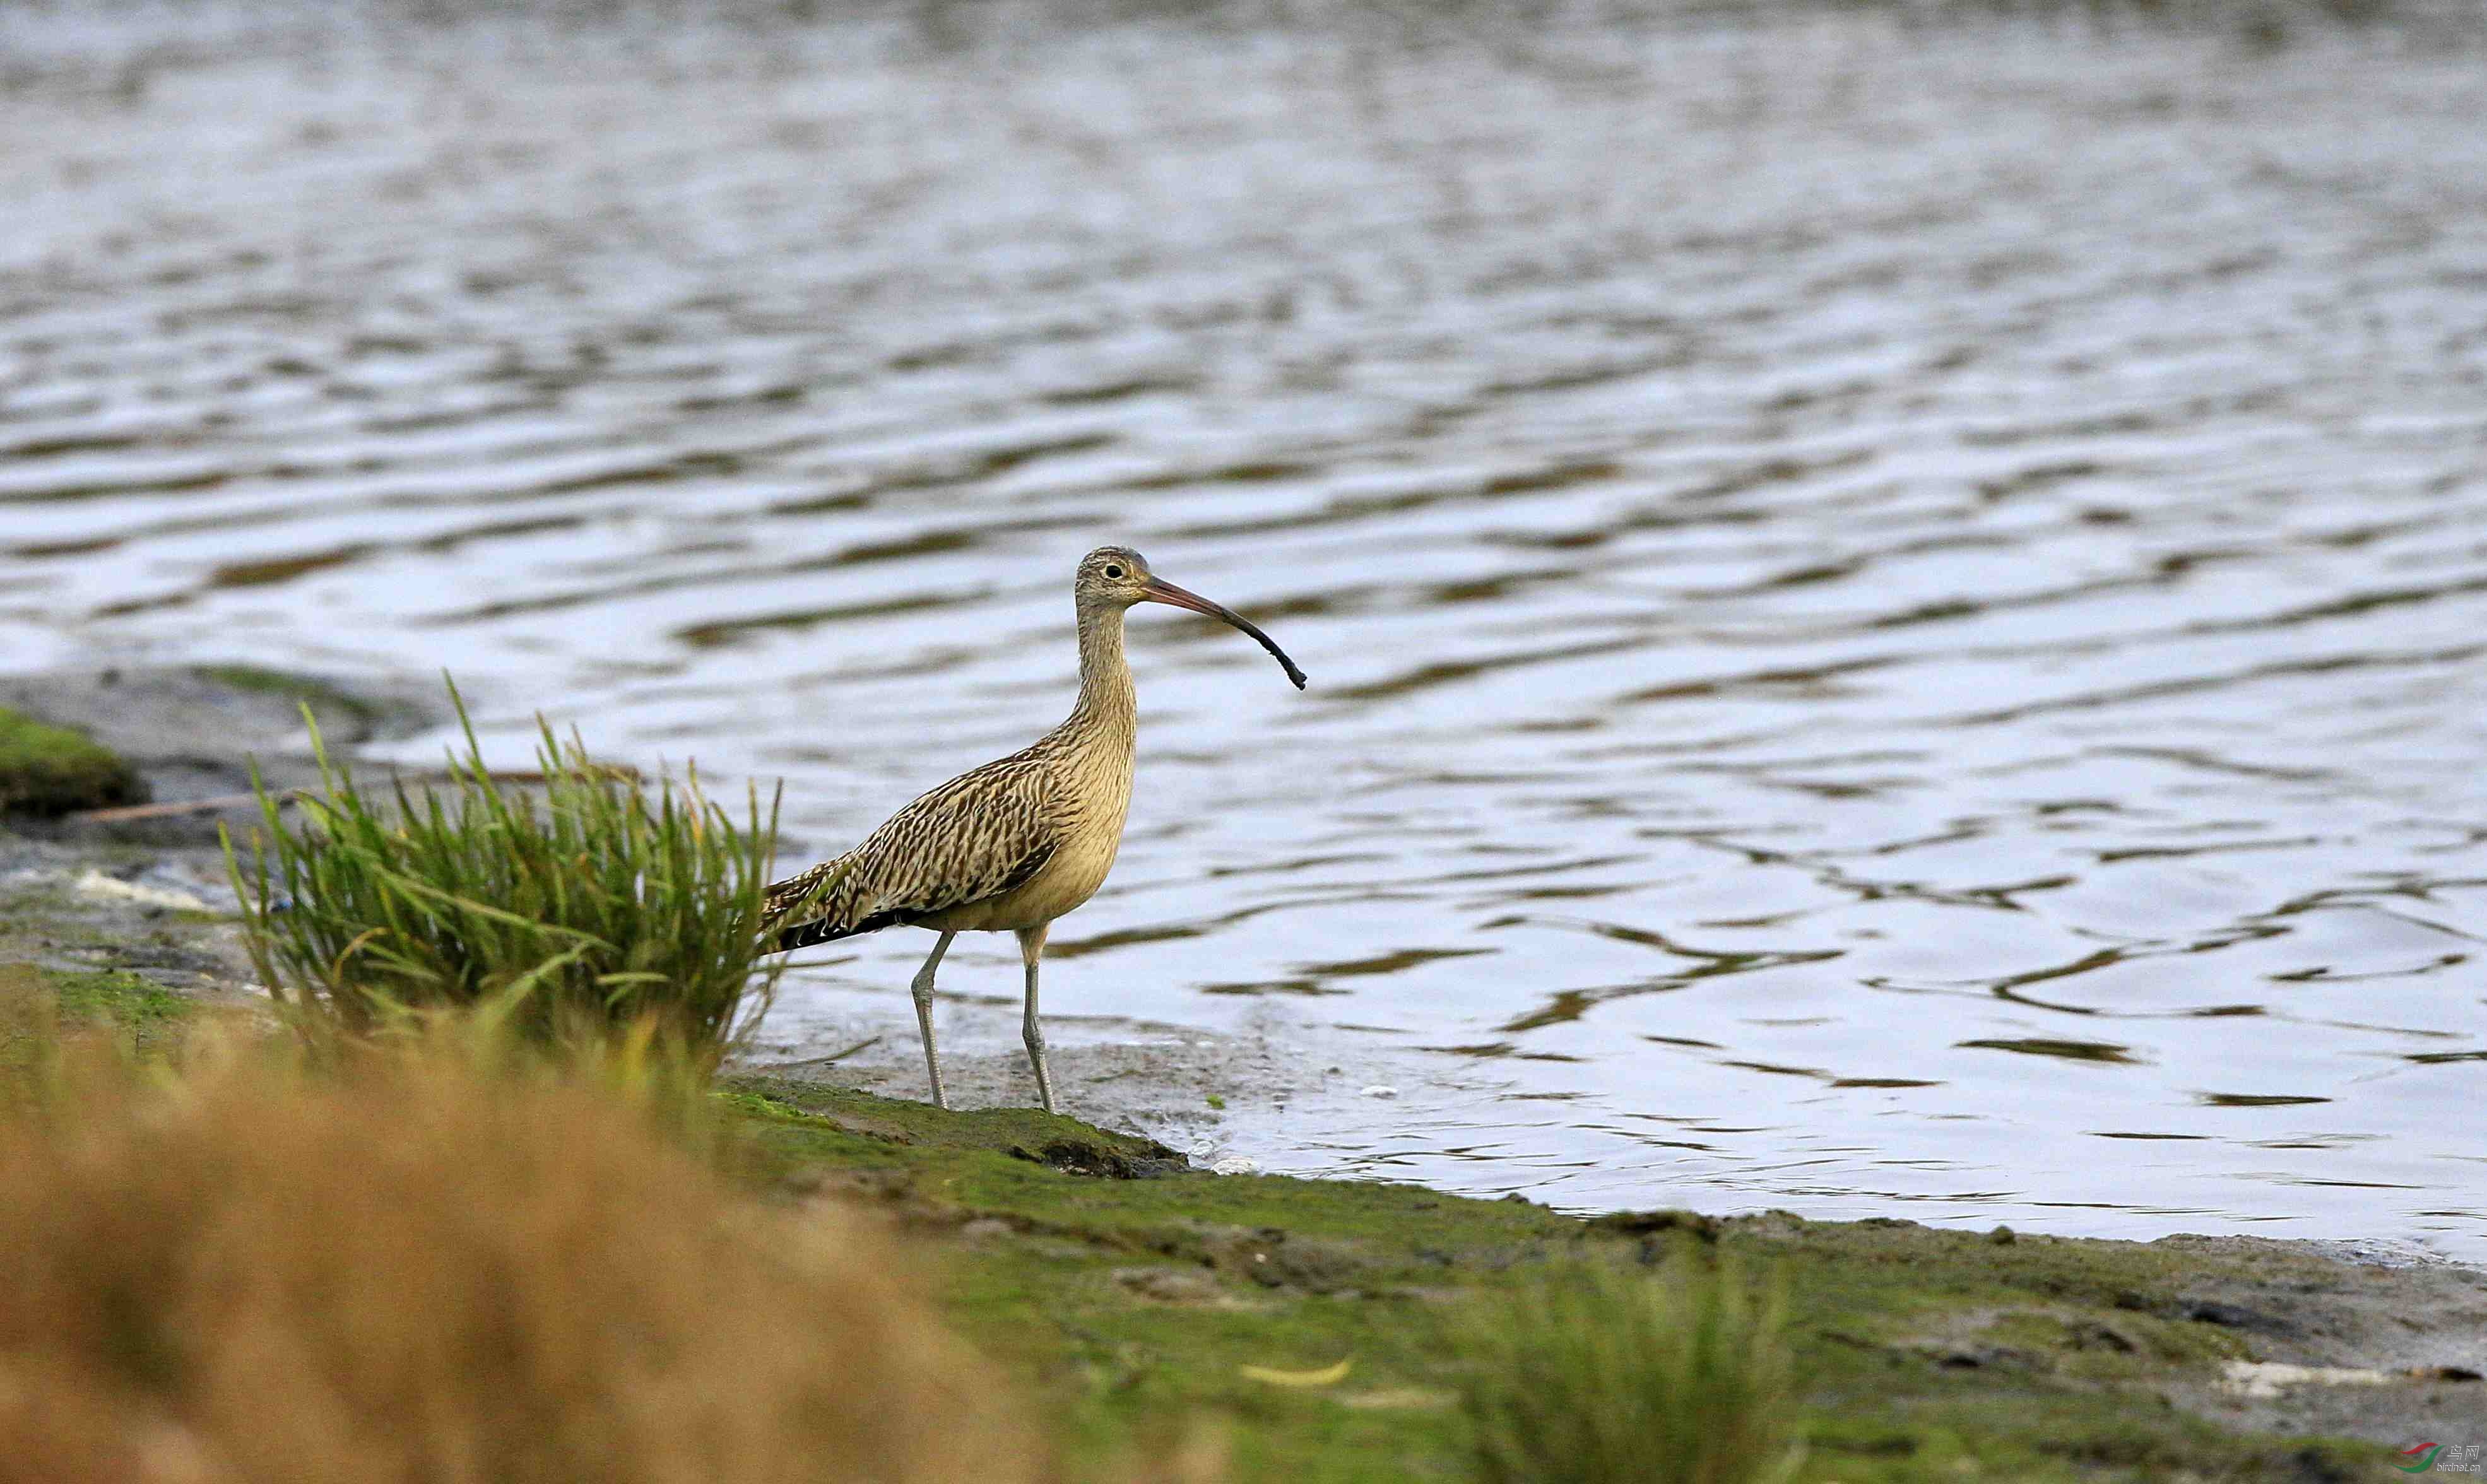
<point>1113,571</point>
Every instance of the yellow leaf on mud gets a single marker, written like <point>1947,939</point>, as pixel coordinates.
<point>1328,1375</point>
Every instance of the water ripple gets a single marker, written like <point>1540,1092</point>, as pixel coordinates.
<point>1885,604</point>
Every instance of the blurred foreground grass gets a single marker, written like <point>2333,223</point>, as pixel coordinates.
<point>412,1266</point>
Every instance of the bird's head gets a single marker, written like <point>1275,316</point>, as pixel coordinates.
<point>1119,577</point>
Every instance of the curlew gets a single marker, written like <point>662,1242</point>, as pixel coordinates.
<point>1012,845</point>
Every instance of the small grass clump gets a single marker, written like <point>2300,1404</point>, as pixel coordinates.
<point>410,1266</point>
<point>1594,1373</point>
<point>577,904</point>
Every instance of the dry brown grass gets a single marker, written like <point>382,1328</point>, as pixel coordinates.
<point>412,1270</point>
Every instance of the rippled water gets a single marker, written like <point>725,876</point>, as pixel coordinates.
<point>1898,620</point>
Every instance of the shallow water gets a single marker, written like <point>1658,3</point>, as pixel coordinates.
<point>1898,620</point>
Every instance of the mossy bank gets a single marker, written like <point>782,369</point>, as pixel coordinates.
<point>1132,1289</point>
<point>49,770</point>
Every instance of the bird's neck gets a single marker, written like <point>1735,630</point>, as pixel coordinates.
<point>1106,699</point>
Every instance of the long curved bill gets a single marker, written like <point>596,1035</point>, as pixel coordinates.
<point>1160,590</point>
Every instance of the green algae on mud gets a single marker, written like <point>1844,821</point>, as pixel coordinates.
<point>1920,1354</point>
<point>37,1004</point>
<point>149,1015</point>
<point>48,771</point>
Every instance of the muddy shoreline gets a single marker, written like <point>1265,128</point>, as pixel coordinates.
<point>2386,1343</point>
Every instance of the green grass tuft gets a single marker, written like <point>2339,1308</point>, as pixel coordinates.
<point>581,908</point>
<point>1593,1372</point>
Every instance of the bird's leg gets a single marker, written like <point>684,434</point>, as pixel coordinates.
<point>1031,947</point>
<point>923,989</point>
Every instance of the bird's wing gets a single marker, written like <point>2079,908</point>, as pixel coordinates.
<point>976,836</point>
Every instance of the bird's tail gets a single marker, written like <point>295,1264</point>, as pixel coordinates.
<point>803,934</point>
<point>812,907</point>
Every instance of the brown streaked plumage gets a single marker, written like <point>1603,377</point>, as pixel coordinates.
<point>1017,843</point>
